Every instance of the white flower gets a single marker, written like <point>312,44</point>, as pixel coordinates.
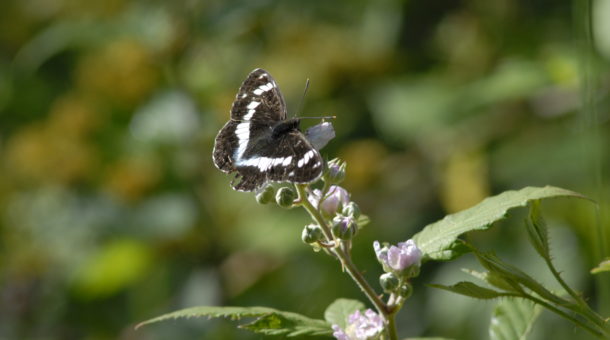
<point>399,257</point>
<point>335,199</point>
<point>367,326</point>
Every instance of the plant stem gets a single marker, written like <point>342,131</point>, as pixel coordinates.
<point>600,334</point>
<point>582,306</point>
<point>347,263</point>
<point>392,326</point>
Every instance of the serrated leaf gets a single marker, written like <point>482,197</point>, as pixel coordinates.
<point>436,239</point>
<point>268,320</point>
<point>288,324</point>
<point>511,274</point>
<point>537,230</point>
<point>338,311</point>
<point>603,266</point>
<point>512,319</point>
<point>470,289</point>
<point>490,278</point>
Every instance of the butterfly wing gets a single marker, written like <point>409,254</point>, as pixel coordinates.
<point>259,98</point>
<point>245,144</point>
<point>258,105</point>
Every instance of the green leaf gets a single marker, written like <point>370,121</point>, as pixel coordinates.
<point>117,265</point>
<point>433,338</point>
<point>268,320</point>
<point>516,277</point>
<point>471,289</point>
<point>362,220</point>
<point>436,240</point>
<point>537,230</point>
<point>491,278</point>
<point>337,312</point>
<point>289,324</point>
<point>603,266</point>
<point>512,319</point>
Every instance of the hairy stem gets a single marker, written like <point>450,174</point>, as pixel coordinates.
<point>348,265</point>
<point>582,306</point>
<point>598,333</point>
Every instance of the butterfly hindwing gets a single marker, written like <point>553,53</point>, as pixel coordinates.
<point>224,145</point>
<point>291,158</point>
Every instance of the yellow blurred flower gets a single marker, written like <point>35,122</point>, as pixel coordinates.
<point>37,153</point>
<point>131,178</point>
<point>465,180</point>
<point>73,115</point>
<point>123,71</point>
<point>363,160</point>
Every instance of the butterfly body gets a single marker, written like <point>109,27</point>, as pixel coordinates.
<point>259,144</point>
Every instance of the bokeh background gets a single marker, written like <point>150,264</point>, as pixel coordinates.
<point>111,211</point>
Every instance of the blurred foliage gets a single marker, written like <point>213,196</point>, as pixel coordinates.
<point>112,211</point>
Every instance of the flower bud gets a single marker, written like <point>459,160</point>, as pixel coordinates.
<point>312,233</point>
<point>266,195</point>
<point>285,197</point>
<point>344,227</point>
<point>389,282</point>
<point>332,202</point>
<point>405,290</point>
<point>352,209</point>
<point>335,172</point>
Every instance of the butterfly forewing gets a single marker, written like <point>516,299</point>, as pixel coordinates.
<point>259,144</point>
<point>259,98</point>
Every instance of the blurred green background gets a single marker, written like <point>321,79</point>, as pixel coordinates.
<point>111,211</point>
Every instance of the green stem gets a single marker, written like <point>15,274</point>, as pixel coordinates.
<point>582,306</point>
<point>597,333</point>
<point>392,326</point>
<point>346,261</point>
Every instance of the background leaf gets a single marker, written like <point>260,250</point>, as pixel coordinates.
<point>604,266</point>
<point>269,321</point>
<point>512,319</point>
<point>470,289</point>
<point>437,239</point>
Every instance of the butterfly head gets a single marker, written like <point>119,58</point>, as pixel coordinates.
<point>285,126</point>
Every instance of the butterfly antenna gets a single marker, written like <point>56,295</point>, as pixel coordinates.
<point>322,117</point>
<point>300,107</point>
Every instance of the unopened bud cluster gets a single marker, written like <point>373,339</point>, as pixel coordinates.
<point>336,206</point>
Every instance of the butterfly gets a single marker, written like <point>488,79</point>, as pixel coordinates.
<point>259,144</point>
